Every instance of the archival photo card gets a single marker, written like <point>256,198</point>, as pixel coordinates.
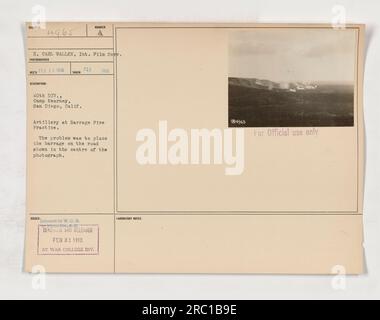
<point>133,168</point>
<point>294,77</point>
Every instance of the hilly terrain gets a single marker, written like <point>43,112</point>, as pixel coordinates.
<point>264,103</point>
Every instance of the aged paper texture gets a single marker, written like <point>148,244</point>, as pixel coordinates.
<point>195,148</point>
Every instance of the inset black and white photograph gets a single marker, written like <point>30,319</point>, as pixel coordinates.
<point>290,77</point>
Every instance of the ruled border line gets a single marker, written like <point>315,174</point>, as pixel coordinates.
<point>243,212</point>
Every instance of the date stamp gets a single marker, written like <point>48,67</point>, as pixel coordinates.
<point>65,239</point>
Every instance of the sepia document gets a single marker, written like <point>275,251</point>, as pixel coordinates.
<point>195,148</point>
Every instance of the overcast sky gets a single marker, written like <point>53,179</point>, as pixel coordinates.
<point>286,55</point>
